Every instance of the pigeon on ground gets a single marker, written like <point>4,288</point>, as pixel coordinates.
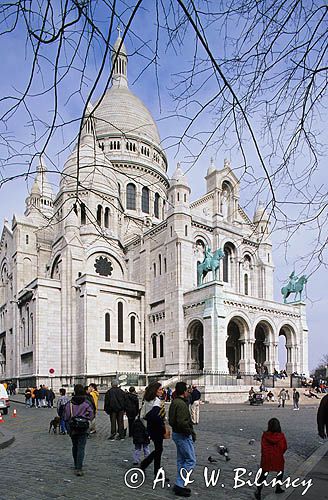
<point>211,460</point>
<point>223,450</point>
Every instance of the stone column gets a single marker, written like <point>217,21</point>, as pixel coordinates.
<point>250,356</point>
<point>243,363</point>
<point>289,364</point>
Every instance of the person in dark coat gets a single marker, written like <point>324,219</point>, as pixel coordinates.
<point>322,417</point>
<point>273,447</point>
<point>131,407</point>
<point>114,407</point>
<point>50,397</point>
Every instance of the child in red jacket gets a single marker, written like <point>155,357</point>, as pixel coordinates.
<point>273,447</point>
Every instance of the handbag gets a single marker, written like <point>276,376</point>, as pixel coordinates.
<point>78,425</point>
<point>167,433</point>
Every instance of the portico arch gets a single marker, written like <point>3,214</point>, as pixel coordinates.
<point>292,349</point>
<point>264,350</point>
<point>195,338</point>
<point>237,333</point>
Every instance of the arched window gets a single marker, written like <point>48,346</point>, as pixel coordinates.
<point>32,327</point>
<point>165,265</point>
<point>156,205</point>
<point>161,346</point>
<point>246,284</point>
<point>154,268</point>
<point>83,215</point>
<point>227,274</point>
<point>99,215</point>
<point>186,230</point>
<point>160,263</point>
<point>107,327</point>
<point>23,332</point>
<point>120,322</point>
<point>154,342</point>
<point>28,325</point>
<point>131,196</point>
<point>145,200</point>
<point>106,220</point>
<point>133,329</point>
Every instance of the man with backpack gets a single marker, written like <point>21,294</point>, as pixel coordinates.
<point>62,400</point>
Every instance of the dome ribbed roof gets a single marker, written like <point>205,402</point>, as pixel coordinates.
<point>120,111</point>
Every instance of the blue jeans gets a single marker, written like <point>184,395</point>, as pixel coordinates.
<point>78,442</point>
<point>186,458</point>
<point>63,427</point>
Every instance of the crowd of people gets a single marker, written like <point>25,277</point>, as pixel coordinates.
<point>146,422</point>
<point>39,397</point>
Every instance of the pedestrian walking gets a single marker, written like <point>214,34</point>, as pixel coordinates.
<point>322,417</point>
<point>195,402</point>
<point>282,398</point>
<point>153,411</point>
<point>78,413</point>
<point>93,393</point>
<point>273,447</point>
<point>296,398</point>
<point>183,436</point>
<point>141,440</point>
<point>131,407</point>
<point>62,400</point>
<point>114,406</point>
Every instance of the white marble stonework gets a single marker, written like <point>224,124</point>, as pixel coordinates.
<point>110,284</point>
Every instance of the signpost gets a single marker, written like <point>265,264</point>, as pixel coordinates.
<point>51,372</point>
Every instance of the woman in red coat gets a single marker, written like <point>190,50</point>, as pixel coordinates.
<point>273,447</point>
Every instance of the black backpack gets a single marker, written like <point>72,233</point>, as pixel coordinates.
<point>139,432</point>
<point>77,425</point>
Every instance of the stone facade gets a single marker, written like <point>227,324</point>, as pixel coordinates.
<point>102,278</point>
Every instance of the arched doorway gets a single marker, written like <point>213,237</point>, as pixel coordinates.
<point>264,351</point>
<point>233,351</point>
<point>195,337</point>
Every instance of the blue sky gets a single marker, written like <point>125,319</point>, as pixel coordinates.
<point>15,66</point>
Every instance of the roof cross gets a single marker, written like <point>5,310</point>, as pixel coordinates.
<point>119,29</point>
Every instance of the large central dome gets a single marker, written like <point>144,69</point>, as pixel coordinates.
<point>120,111</point>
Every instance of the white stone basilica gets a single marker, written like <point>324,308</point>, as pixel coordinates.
<point>101,278</point>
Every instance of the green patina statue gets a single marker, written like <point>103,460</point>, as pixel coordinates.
<point>295,285</point>
<point>211,262</point>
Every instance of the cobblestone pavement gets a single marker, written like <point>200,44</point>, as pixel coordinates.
<point>38,465</point>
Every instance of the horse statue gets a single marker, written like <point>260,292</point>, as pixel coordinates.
<point>211,262</point>
<point>294,287</point>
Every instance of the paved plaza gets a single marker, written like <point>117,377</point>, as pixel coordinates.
<point>38,466</point>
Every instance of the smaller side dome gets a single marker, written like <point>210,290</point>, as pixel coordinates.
<point>261,214</point>
<point>179,177</point>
